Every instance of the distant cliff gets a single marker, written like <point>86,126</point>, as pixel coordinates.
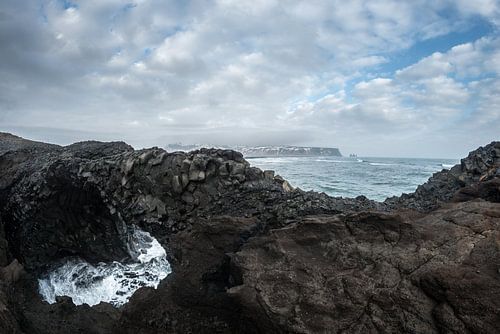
<point>263,151</point>
<point>288,151</point>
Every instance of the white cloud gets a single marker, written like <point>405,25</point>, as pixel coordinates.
<point>429,67</point>
<point>430,96</point>
<point>488,8</point>
<point>282,67</point>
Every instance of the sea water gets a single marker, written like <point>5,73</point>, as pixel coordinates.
<point>112,282</point>
<point>375,178</point>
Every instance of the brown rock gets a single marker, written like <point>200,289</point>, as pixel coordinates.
<point>12,272</point>
<point>373,273</point>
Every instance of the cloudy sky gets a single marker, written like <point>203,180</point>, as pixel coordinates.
<point>378,77</point>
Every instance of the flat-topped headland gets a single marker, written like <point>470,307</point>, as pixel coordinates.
<point>267,150</point>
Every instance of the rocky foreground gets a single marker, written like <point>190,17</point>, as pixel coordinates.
<point>249,253</point>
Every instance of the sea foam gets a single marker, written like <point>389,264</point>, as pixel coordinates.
<point>447,166</point>
<point>108,282</point>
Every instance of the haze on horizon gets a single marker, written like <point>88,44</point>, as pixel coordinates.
<point>381,78</point>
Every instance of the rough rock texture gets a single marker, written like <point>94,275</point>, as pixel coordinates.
<point>372,272</point>
<point>197,287</point>
<point>473,171</point>
<point>79,199</point>
<point>249,253</point>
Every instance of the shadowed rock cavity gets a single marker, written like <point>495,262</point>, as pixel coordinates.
<point>72,220</point>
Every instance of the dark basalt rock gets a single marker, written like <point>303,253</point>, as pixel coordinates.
<point>193,298</point>
<point>249,253</point>
<point>372,272</point>
<point>480,165</point>
<point>487,189</point>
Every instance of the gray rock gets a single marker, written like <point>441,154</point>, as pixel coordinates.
<point>287,186</point>
<point>269,174</point>
<point>195,173</point>
<point>12,272</point>
<point>177,185</point>
<point>224,170</point>
<point>237,168</point>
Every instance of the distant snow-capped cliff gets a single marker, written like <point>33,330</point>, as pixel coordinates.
<point>288,151</point>
<point>265,151</point>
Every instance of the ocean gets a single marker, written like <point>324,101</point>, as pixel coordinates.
<point>375,178</point>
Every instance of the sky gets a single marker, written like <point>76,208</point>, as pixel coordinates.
<point>415,78</point>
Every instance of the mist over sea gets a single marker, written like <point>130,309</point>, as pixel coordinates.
<point>375,178</point>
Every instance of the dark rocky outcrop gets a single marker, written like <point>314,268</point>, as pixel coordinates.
<point>472,173</point>
<point>249,253</point>
<point>372,273</point>
<point>79,199</point>
<point>197,287</point>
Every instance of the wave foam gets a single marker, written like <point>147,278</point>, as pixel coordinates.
<point>447,166</point>
<point>108,282</point>
<point>381,164</point>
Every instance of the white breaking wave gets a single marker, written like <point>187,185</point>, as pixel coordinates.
<point>447,166</point>
<point>108,282</point>
<point>334,161</point>
<point>381,164</point>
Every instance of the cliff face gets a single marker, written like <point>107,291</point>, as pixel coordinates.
<point>249,253</point>
<point>267,151</point>
<point>289,151</point>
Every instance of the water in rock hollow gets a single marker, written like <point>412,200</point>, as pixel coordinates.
<point>108,282</point>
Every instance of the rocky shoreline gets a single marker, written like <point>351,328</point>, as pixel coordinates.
<point>249,253</point>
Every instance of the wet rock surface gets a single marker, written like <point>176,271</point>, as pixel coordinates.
<point>249,253</point>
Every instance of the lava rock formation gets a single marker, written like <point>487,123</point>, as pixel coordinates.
<point>249,253</point>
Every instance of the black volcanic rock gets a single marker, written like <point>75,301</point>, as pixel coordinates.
<point>96,149</point>
<point>249,253</point>
<point>79,199</point>
<point>10,142</point>
<point>193,298</point>
<point>372,273</point>
<point>478,167</point>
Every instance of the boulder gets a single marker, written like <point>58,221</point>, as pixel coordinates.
<point>12,272</point>
<point>269,174</point>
